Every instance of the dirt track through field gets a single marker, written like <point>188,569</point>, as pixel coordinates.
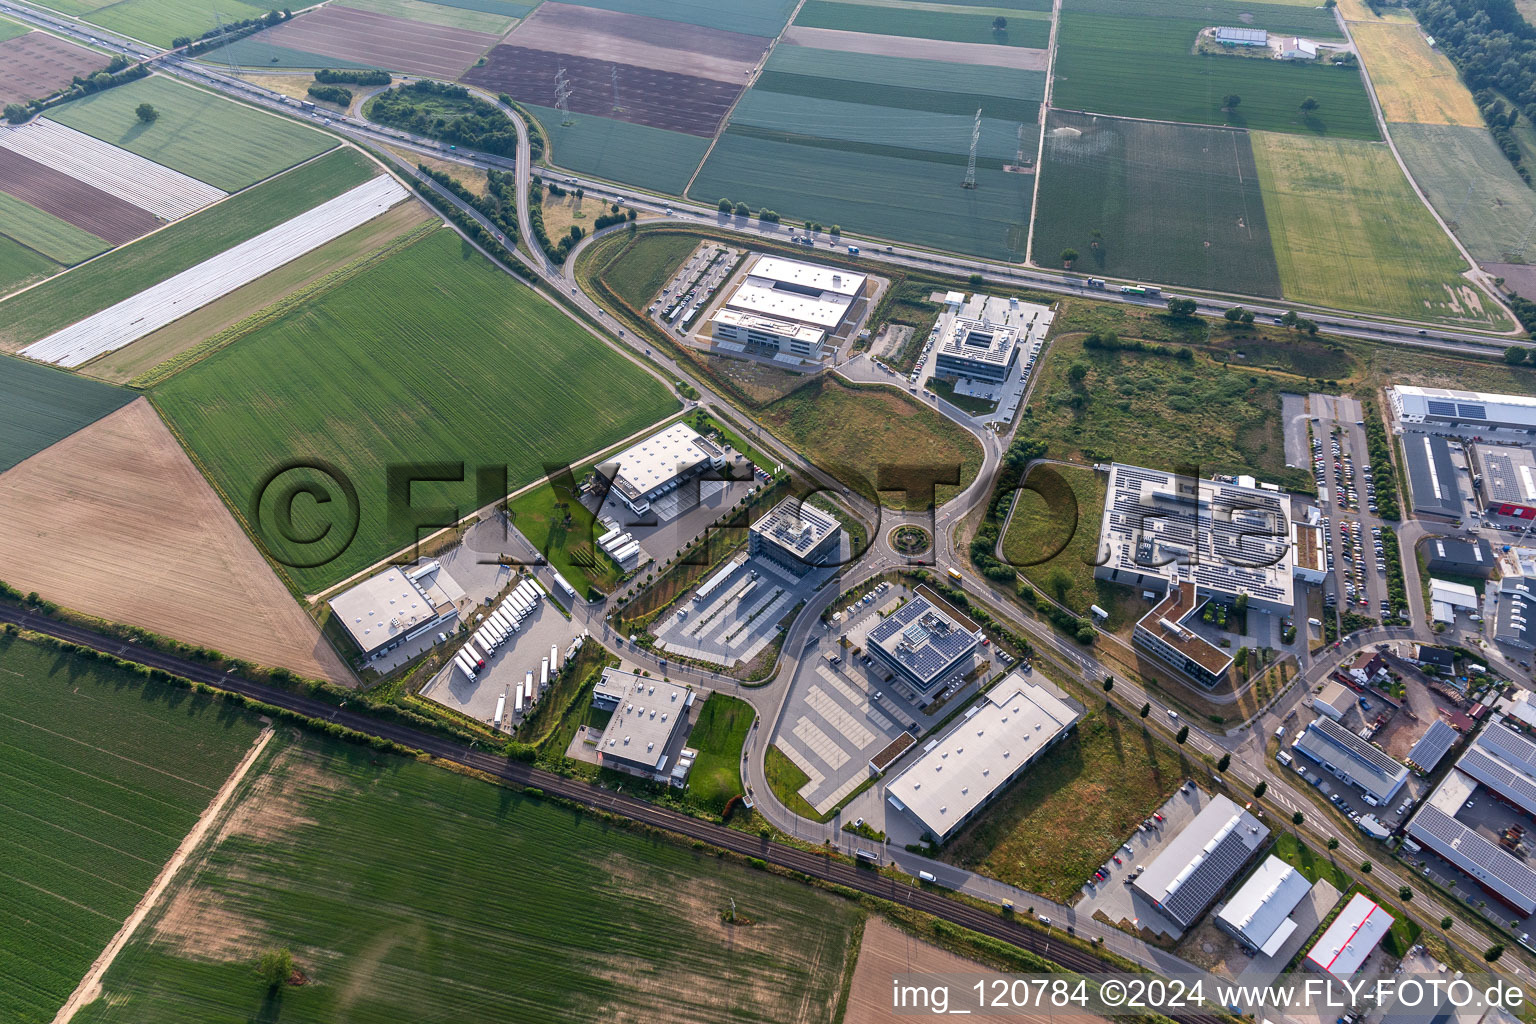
<point>90,986</point>
<point>38,64</point>
<point>382,41</point>
<point>641,42</point>
<point>989,54</point>
<point>660,99</point>
<point>115,521</point>
<point>70,199</point>
<point>887,952</point>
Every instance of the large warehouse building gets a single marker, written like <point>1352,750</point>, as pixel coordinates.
<point>790,307</point>
<point>982,337</point>
<point>1506,479</point>
<point>1259,914</point>
<point>648,726</point>
<point>1413,404</point>
<point>1357,930</point>
<point>1432,476</point>
<point>1200,862</point>
<point>660,464</point>
<point>392,608</point>
<point>1350,759</point>
<point>922,645</point>
<point>959,773</point>
<point>795,535</point>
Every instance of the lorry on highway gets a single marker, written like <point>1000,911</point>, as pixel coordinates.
<point>1096,282</point>
<point>853,250</point>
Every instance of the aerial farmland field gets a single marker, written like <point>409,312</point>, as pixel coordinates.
<point>636,154</point>
<point>35,64</point>
<point>40,405</point>
<point>1349,232</point>
<point>381,40</point>
<point>161,21</point>
<point>1117,57</point>
<point>750,17</point>
<point>20,266</point>
<point>74,201</point>
<point>129,270</point>
<point>105,773</point>
<point>1443,159</point>
<point>494,23</point>
<point>431,355</point>
<point>1175,203</point>
<point>1413,83</point>
<point>545,914</point>
<point>973,25</point>
<point>53,237</point>
<point>198,133</point>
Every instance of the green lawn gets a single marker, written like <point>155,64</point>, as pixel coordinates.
<point>1349,232</point>
<point>20,266</point>
<point>428,359</point>
<point>1029,28</point>
<point>1313,865</point>
<point>1103,178</point>
<point>539,913</point>
<point>650,158</point>
<point>130,269</point>
<point>718,735</point>
<point>1159,411</point>
<point>1144,67</point>
<point>1067,814</point>
<point>1443,159</point>
<point>40,405</point>
<point>786,780</point>
<point>104,774</point>
<point>160,21</point>
<point>869,436</point>
<point>558,524</point>
<point>11,29</point>
<point>198,133</point>
<point>1053,537</point>
<point>57,239</point>
<point>647,266</point>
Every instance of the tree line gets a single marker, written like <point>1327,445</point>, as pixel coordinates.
<point>467,120</point>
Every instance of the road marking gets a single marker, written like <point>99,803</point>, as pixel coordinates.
<point>822,745</point>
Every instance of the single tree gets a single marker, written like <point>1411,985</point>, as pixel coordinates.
<point>15,112</point>
<point>1298,818</point>
<point>1109,683</point>
<point>1308,105</point>
<point>1068,257</point>
<point>1224,763</point>
<point>1365,867</point>
<point>1493,952</point>
<point>1446,922</point>
<point>1231,100</point>
<point>1404,893</point>
<point>1182,307</point>
<point>1333,844</point>
<point>146,113</point>
<point>977,281</point>
<point>275,968</point>
<point>1247,316</point>
<point>1181,735</point>
<point>743,210</point>
<point>999,24</point>
<point>1146,709</point>
<point>1260,790</point>
<point>1234,315</point>
<point>1077,373</point>
<point>1514,354</point>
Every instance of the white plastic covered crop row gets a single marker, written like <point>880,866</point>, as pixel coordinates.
<point>150,186</point>
<point>175,297</point>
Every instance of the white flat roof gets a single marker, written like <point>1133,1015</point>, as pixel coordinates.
<point>1351,937</point>
<point>1260,910</point>
<point>661,458</point>
<point>982,753</point>
<point>801,292</point>
<point>1464,396</point>
<point>770,324</point>
<point>649,712</point>
<point>808,275</point>
<point>1459,595</point>
<point>381,608</point>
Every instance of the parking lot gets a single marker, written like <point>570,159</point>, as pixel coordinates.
<point>1112,893</point>
<point>1347,497</point>
<point>692,286</point>
<point>679,516</point>
<point>740,615</point>
<point>505,668</point>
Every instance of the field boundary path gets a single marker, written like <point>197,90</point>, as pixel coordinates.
<point>1043,119</point>
<point>90,985</point>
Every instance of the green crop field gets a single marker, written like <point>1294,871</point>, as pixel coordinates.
<point>648,265</point>
<point>751,17</point>
<point>432,356</point>
<point>887,192</point>
<point>1144,67</point>
<point>1350,232</point>
<point>1173,203</point>
<point>900,81</point>
<point>1067,814</point>
<point>1443,159</point>
<point>160,21</point>
<point>718,735</point>
<point>57,239</point>
<point>1160,411</point>
<point>851,432</point>
<point>637,154</point>
<point>198,133</point>
<point>130,269</point>
<point>1024,28</point>
<point>105,774</point>
<point>256,52</point>
<point>880,130</point>
<point>1280,19</point>
<point>503,7</point>
<point>437,14</point>
<point>78,7</point>
<point>20,266</point>
<point>403,889</point>
<point>11,29</point>
<point>40,405</point>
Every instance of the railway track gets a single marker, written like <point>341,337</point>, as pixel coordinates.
<point>815,865</point>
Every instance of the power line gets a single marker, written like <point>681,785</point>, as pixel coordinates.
<point>970,167</point>
<point>563,95</point>
<point>614,76</point>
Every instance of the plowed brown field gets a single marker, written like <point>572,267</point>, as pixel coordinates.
<point>114,521</point>
<point>380,40</point>
<point>38,64</point>
<point>85,206</point>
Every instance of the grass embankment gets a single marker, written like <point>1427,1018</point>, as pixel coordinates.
<point>785,779</point>
<point>1068,813</point>
<point>649,265</point>
<point>718,736</point>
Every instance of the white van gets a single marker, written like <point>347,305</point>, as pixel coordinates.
<point>926,876</point>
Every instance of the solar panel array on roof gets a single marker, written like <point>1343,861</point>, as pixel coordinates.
<point>1467,849</point>
<point>922,639</point>
<point>1440,408</point>
<point>1432,746</point>
<point>1376,760</point>
<point>1493,773</point>
<point>1510,747</point>
<point>1500,479</point>
<point>1197,864</point>
<point>1471,412</point>
<point>1209,877</point>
